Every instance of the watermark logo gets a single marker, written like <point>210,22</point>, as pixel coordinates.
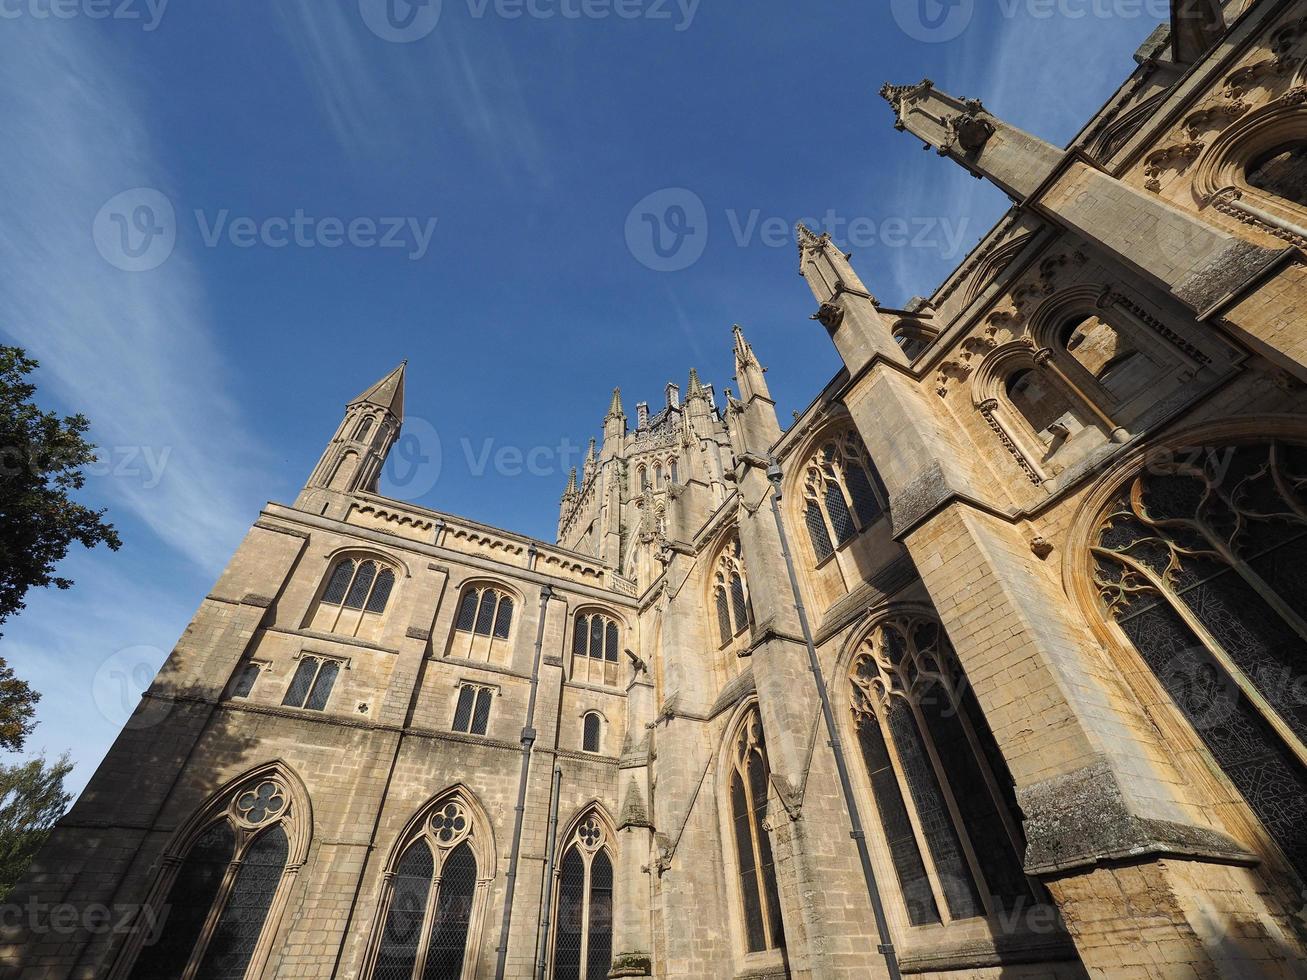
<point>414,463</point>
<point>119,683</point>
<point>933,21</point>
<point>400,21</point>
<point>136,231</point>
<point>667,231</point>
<point>149,13</point>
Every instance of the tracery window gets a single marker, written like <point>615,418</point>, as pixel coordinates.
<point>1282,172</point>
<point>1200,562</point>
<point>942,791</point>
<point>311,686</point>
<point>644,478</point>
<point>843,495</point>
<point>243,686</point>
<point>434,900</point>
<point>748,787</point>
<point>592,726</point>
<point>219,904</point>
<point>472,712</point>
<point>596,648</point>
<point>583,932</point>
<point>482,624</point>
<point>355,597</point>
<point>731,594</point>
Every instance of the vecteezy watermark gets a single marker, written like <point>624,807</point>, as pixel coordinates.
<point>406,21</point>
<point>136,231</point>
<point>668,230</point>
<point>142,464</point>
<point>933,21</point>
<point>938,21</point>
<point>400,21</point>
<point>119,683</point>
<point>417,459</point>
<point>40,918</point>
<point>149,13</point>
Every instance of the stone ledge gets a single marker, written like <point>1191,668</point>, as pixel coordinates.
<point>1082,818</point>
<point>986,953</point>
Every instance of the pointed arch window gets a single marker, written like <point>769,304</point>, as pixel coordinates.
<point>644,478</point>
<point>944,796</point>
<point>483,624</point>
<point>749,780</point>
<point>596,648</point>
<point>592,727</point>
<point>354,598</point>
<point>364,428</point>
<point>1282,172</point>
<point>225,891</point>
<point>1200,562</point>
<point>583,931</point>
<point>433,904</point>
<point>673,468</point>
<point>731,594</point>
<point>843,495</point>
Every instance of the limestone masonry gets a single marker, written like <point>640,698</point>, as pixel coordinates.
<point>1048,532</point>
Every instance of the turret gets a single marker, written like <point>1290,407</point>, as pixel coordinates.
<point>614,426</point>
<point>847,311</point>
<point>753,417</point>
<point>353,460</point>
<point>1203,266</point>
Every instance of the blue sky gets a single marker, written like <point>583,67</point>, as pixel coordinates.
<point>155,163</point>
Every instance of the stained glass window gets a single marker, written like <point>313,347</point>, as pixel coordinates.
<point>583,922</point>
<point>596,644</point>
<point>472,713</point>
<point>311,686</point>
<point>216,911</point>
<point>844,495</point>
<point>164,957</point>
<point>431,898</point>
<point>245,680</point>
<point>926,746</point>
<point>731,593</point>
<point>1200,561</point>
<point>757,874</point>
<point>590,736</point>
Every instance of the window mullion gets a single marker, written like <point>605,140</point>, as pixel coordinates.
<point>429,914</point>
<point>585,916</point>
<point>842,482</point>
<point>991,781</point>
<point>955,812</point>
<point>215,913</point>
<point>754,832</point>
<point>910,805</point>
<point>1246,687</point>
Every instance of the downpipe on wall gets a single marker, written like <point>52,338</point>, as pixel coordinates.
<point>886,947</point>
<point>528,740</point>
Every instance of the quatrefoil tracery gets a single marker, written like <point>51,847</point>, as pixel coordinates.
<point>261,803</point>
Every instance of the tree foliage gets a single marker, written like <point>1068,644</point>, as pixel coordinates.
<point>17,706</point>
<point>41,462</point>
<point>32,799</point>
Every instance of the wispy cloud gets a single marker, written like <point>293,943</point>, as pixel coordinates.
<point>379,97</point>
<point>134,351</point>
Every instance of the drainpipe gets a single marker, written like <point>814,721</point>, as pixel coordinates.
<point>886,947</point>
<point>528,740</point>
<point>546,906</point>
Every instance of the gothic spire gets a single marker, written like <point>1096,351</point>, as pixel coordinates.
<point>388,393</point>
<point>615,410</point>
<point>749,373</point>
<point>571,490</point>
<point>743,352</point>
<point>695,388</point>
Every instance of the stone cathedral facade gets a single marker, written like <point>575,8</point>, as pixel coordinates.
<point>1044,537</point>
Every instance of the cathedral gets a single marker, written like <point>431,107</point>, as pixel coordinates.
<point>992,665</point>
